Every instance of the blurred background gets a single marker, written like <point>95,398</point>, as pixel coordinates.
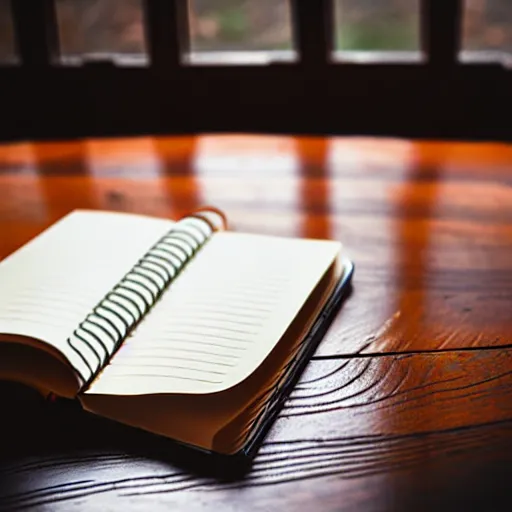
<point>89,27</point>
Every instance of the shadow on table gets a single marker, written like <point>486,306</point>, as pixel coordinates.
<point>34,427</point>
<point>61,442</point>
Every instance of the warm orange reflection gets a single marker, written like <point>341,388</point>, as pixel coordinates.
<point>410,267</point>
<point>242,174</point>
<point>468,154</point>
<point>284,175</point>
<point>370,154</point>
<point>262,156</point>
<point>431,234</point>
<point>182,189</point>
<point>24,201</point>
<point>315,188</point>
<point>128,175</point>
<point>22,154</point>
<point>429,224</point>
<point>452,246</point>
<point>130,158</point>
<point>16,157</point>
<point>364,177</point>
<point>66,180</point>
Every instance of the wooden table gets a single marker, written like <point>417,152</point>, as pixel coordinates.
<point>407,404</point>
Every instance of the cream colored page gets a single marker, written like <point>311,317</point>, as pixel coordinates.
<point>49,286</point>
<point>220,318</point>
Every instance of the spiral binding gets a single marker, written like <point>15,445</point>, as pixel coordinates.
<point>103,330</point>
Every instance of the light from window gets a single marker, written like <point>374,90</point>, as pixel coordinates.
<point>240,31</point>
<point>377,30</point>
<point>7,38</point>
<point>101,30</point>
<point>487,30</point>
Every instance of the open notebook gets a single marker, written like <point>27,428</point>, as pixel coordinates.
<point>183,329</point>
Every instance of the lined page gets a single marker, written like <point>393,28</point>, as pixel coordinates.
<point>220,319</point>
<point>51,284</point>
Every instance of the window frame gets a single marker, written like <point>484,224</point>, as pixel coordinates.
<point>439,97</point>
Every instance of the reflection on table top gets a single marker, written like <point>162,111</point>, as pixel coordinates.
<point>408,400</point>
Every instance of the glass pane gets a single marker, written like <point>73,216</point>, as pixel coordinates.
<point>7,38</point>
<point>377,25</point>
<point>242,26</point>
<point>487,26</point>
<point>99,29</point>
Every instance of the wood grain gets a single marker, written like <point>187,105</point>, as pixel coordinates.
<point>389,422</point>
<point>407,404</point>
<point>429,224</point>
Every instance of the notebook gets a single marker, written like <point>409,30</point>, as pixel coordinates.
<point>183,329</point>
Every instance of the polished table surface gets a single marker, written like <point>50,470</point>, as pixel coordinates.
<point>407,403</point>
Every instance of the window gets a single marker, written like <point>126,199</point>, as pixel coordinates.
<point>377,30</point>
<point>201,66</point>
<point>101,30</point>
<point>7,39</point>
<point>240,31</point>
<point>487,30</point>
